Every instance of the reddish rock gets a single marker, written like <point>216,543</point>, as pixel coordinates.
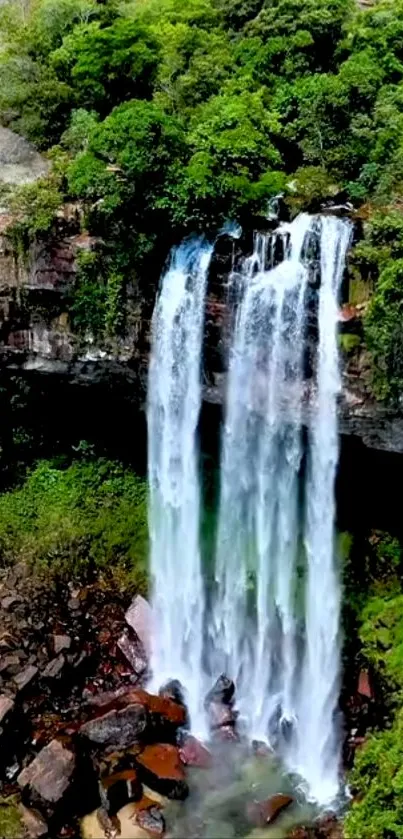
<point>161,769</point>
<point>364,685</point>
<point>193,753</point>
<point>118,727</point>
<point>6,706</point>
<point>158,706</point>
<point>49,775</point>
<point>261,813</point>
<point>139,618</point>
<point>118,789</point>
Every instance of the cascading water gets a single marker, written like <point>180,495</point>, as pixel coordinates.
<point>318,741</point>
<point>274,618</point>
<point>260,629</point>
<point>174,398</point>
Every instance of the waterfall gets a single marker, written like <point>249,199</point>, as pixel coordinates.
<point>318,742</point>
<point>278,642</point>
<point>174,399</point>
<point>272,622</point>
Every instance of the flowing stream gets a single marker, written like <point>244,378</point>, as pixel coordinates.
<point>174,398</point>
<point>273,619</point>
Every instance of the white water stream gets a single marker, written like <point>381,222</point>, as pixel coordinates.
<point>174,398</point>
<point>274,623</point>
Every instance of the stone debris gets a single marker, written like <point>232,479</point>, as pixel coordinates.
<point>60,643</point>
<point>49,775</point>
<point>6,706</point>
<point>25,676</point>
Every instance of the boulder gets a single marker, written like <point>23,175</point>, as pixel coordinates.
<point>161,769</point>
<point>139,618</point>
<point>261,813</point>
<point>193,753</point>
<point>119,728</point>
<point>173,689</point>
<point>20,163</point>
<point>134,717</point>
<point>222,692</point>
<point>46,780</point>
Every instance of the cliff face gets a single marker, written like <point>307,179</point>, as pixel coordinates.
<point>36,336</point>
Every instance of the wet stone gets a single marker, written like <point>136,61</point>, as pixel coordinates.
<point>262,813</point>
<point>222,692</point>
<point>118,728</point>
<point>161,769</point>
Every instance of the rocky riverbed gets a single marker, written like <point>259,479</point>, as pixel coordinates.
<point>86,750</point>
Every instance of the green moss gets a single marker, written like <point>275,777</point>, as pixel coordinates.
<point>349,342</point>
<point>11,826</point>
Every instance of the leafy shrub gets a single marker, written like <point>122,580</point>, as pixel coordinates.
<point>91,516</point>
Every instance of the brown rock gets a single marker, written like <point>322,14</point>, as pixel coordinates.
<point>118,728</point>
<point>60,643</point>
<point>261,813</point>
<point>50,773</point>
<point>34,824</point>
<point>161,769</point>
<point>25,676</point>
<point>193,753</point>
<point>139,618</point>
<point>118,789</point>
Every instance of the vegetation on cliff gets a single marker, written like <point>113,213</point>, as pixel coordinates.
<point>163,117</point>
<point>80,519</point>
<point>375,595</point>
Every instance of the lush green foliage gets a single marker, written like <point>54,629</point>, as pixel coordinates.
<point>168,115</point>
<point>89,516</point>
<point>376,780</point>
